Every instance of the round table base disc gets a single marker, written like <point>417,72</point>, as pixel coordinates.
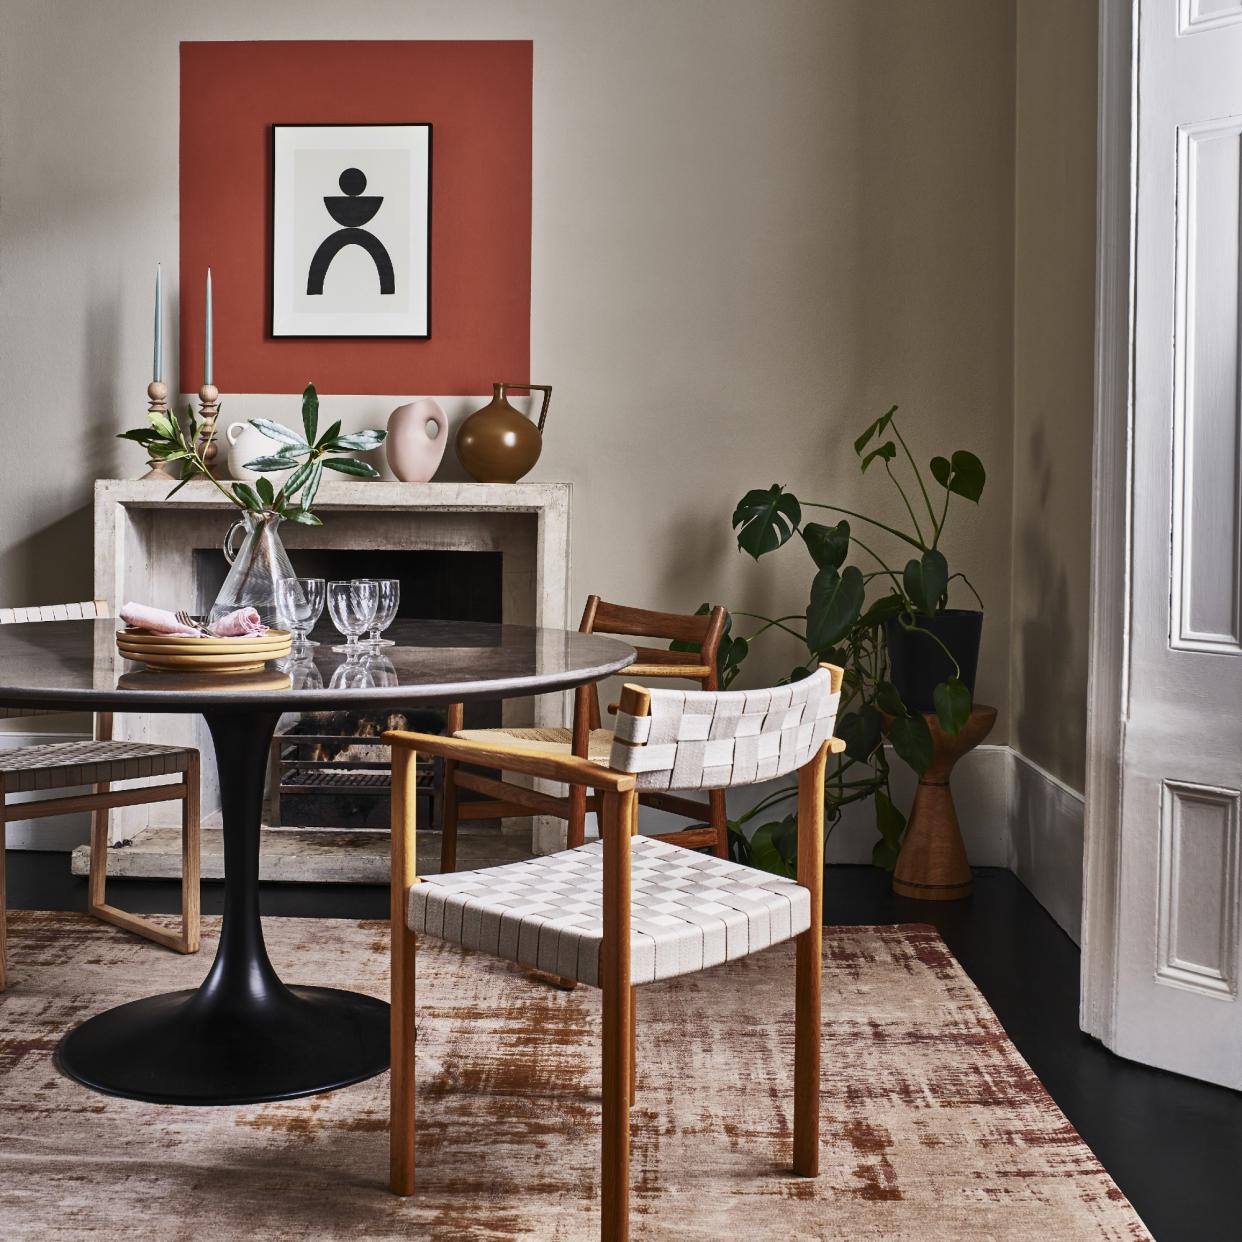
<point>171,1049</point>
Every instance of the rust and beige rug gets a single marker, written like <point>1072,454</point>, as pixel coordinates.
<point>934,1127</point>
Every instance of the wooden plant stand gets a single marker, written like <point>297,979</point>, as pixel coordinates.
<point>932,865</point>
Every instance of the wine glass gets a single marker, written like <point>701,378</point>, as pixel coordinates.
<point>352,606</point>
<point>385,613</point>
<point>300,602</point>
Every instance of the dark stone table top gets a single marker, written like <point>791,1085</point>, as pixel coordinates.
<point>72,665</point>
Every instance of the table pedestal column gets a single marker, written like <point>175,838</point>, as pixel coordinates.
<point>243,1037</point>
<point>932,864</point>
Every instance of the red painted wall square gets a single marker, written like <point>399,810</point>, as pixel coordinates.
<point>477,97</point>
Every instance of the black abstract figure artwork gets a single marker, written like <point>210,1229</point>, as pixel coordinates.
<point>354,261</point>
<point>351,210</point>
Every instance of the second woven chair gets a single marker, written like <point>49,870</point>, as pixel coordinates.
<point>587,739</point>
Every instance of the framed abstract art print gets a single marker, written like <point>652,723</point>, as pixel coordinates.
<point>351,230</point>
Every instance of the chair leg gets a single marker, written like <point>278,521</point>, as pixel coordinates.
<point>720,821</point>
<point>617,992</point>
<point>404,872</point>
<point>575,831</point>
<point>448,826</point>
<point>4,912</point>
<point>184,940</point>
<point>633,1046</point>
<point>191,861</point>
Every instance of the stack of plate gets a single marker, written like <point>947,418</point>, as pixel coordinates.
<point>199,655</point>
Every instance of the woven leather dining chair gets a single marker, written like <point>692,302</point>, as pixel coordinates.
<point>100,763</point>
<point>588,740</point>
<point>628,909</point>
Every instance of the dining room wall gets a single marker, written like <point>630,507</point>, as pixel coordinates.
<point>754,228</point>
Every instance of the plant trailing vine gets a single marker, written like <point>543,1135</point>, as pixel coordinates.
<point>306,454</point>
<point>841,627</point>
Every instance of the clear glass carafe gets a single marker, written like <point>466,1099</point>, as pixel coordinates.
<point>256,568</point>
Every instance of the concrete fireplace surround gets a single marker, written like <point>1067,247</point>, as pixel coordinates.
<point>143,552</point>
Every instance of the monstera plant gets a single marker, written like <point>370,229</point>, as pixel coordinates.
<point>904,651</point>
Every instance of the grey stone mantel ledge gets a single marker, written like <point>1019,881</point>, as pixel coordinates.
<point>365,494</point>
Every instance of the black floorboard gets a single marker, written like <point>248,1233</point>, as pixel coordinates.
<point>1173,1145</point>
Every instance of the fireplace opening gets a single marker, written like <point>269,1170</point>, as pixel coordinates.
<point>327,769</point>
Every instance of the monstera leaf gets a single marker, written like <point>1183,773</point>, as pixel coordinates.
<point>926,581</point>
<point>836,601</point>
<point>766,520</point>
<point>962,474</point>
<point>951,700</point>
<point>828,545</point>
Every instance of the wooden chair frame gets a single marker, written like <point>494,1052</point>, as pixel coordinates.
<point>99,802</point>
<point>503,799</point>
<point>618,800</point>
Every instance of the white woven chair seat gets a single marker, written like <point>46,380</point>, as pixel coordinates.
<point>688,911</point>
<point>550,741</point>
<point>63,765</point>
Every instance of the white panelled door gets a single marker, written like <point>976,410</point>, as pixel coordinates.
<point>1180,859</point>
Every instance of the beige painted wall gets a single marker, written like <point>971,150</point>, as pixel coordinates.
<point>756,225</point>
<point>1054,316</point>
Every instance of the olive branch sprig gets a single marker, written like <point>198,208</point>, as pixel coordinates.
<point>305,454</point>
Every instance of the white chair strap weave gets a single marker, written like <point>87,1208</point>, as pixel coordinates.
<point>704,739</point>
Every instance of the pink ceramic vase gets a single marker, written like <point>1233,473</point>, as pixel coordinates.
<point>417,434</point>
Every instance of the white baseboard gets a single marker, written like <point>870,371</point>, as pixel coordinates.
<point>1046,841</point>
<point>60,833</point>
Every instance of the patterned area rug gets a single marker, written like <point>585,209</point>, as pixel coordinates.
<point>934,1127</point>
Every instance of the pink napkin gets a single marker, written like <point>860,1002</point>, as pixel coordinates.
<point>156,620</point>
<point>240,624</point>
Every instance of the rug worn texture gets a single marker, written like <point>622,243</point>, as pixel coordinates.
<point>933,1127</point>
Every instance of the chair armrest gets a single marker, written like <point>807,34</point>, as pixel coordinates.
<point>567,768</point>
<point>836,745</point>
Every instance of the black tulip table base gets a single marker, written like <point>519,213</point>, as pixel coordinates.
<point>244,1036</point>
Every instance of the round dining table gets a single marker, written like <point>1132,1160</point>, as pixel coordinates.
<point>244,1035</point>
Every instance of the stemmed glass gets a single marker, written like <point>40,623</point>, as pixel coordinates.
<point>352,606</point>
<point>300,603</point>
<point>385,613</point>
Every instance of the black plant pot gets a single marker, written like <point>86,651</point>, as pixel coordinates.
<point>917,665</point>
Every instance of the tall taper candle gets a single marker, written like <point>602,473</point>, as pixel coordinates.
<point>207,348</point>
<point>157,367</point>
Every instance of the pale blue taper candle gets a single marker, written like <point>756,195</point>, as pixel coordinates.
<point>207,349</point>
<point>157,368</point>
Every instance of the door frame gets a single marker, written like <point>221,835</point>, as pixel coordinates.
<point>1112,535</point>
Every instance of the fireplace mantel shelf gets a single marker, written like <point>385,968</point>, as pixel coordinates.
<point>365,495</point>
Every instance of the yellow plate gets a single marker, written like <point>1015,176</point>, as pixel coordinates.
<point>136,640</point>
<point>241,662</point>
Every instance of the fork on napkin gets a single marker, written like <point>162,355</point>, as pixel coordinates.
<point>243,623</point>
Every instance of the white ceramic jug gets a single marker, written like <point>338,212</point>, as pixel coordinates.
<point>247,443</point>
<point>417,435</point>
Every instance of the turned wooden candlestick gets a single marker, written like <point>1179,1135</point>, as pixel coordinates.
<point>932,864</point>
<point>208,408</point>
<point>157,403</point>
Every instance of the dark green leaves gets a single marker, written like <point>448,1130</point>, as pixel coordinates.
<point>248,497</point>
<point>765,520</point>
<point>828,545</point>
<point>952,702</point>
<point>963,474</point>
<point>878,428</point>
<point>310,412</point>
<point>358,441</point>
<point>280,433</point>
<point>860,731</point>
<point>836,601</point>
<point>774,847</point>
<point>277,461</point>
<point>886,452</point>
<point>352,466</point>
<point>912,740</point>
<point>890,823</point>
<point>265,490</point>
<point>926,581</point>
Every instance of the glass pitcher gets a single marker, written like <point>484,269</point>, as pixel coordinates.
<point>255,568</point>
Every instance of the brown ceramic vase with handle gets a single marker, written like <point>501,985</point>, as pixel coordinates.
<point>499,444</point>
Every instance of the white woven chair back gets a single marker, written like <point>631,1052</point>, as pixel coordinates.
<point>48,612</point>
<point>704,739</point>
